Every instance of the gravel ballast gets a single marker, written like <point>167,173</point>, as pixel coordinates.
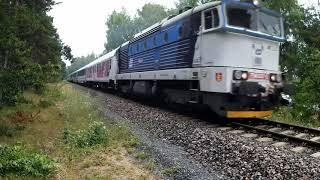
<point>204,152</point>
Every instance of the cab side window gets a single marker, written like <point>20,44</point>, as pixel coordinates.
<point>211,19</point>
<point>207,20</point>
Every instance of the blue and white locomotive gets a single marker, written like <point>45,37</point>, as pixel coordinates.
<point>223,54</point>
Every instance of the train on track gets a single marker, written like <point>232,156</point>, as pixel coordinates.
<point>223,55</point>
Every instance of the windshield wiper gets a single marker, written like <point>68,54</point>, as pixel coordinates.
<point>264,26</point>
<point>276,32</point>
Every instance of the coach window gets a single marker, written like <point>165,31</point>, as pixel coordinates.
<point>211,19</point>
<point>137,47</point>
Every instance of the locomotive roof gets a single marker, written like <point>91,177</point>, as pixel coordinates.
<point>169,20</point>
<point>190,12</point>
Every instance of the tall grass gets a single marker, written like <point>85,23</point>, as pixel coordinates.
<point>289,115</point>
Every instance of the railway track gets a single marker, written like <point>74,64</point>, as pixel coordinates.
<point>284,132</point>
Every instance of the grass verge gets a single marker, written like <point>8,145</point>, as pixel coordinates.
<point>61,135</point>
<point>286,115</point>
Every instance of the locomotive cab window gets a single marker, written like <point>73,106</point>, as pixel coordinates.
<point>242,18</point>
<point>255,20</point>
<point>211,19</point>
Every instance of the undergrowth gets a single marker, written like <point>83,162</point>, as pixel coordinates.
<point>9,130</point>
<point>15,160</point>
<point>289,115</point>
<point>96,134</point>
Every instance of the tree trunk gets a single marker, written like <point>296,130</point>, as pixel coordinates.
<point>6,59</point>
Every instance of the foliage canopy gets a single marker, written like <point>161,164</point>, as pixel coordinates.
<point>30,48</point>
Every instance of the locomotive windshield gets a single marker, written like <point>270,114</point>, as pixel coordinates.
<point>254,20</point>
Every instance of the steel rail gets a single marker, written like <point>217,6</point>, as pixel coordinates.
<point>279,135</point>
<point>290,126</point>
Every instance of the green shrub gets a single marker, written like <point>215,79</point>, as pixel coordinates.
<point>20,162</point>
<point>170,171</point>
<point>39,88</point>
<point>141,155</point>
<point>94,135</point>
<point>22,100</point>
<point>10,88</point>
<point>45,103</point>
<point>6,130</point>
<point>122,134</point>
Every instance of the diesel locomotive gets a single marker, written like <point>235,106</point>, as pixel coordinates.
<point>223,55</point>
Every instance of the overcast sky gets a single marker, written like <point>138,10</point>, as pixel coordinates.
<point>81,23</point>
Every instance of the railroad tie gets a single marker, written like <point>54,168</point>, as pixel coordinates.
<point>275,129</point>
<point>315,138</point>
<point>299,149</point>
<point>288,132</point>
<point>264,139</point>
<point>236,131</point>
<point>249,135</point>
<point>262,126</point>
<point>280,144</point>
<point>224,128</point>
<point>301,135</point>
<point>316,155</point>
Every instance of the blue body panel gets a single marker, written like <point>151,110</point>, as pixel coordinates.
<point>168,48</point>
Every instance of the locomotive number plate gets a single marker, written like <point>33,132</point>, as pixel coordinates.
<point>258,76</point>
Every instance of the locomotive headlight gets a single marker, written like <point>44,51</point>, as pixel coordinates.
<point>256,2</point>
<point>275,77</point>
<point>240,75</point>
<point>244,75</point>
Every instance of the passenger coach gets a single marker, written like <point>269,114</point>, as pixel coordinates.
<point>223,54</point>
